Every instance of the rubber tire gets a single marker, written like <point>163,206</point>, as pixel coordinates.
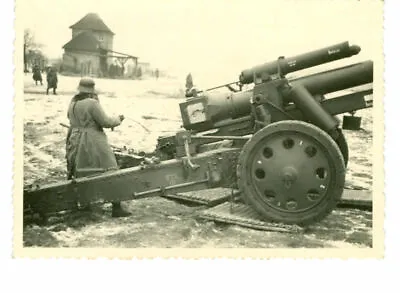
<point>327,204</point>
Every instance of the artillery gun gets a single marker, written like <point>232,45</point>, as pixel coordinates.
<point>278,143</point>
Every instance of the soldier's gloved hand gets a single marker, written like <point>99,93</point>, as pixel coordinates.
<point>121,117</point>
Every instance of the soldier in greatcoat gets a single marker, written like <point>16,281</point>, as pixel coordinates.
<point>87,145</point>
<point>191,90</point>
<point>52,80</point>
<point>37,75</point>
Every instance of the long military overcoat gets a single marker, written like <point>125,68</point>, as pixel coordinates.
<point>87,144</point>
<point>37,76</point>
<point>52,79</point>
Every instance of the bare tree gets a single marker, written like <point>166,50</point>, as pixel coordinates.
<point>32,49</point>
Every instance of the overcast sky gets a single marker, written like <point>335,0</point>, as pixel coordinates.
<point>213,36</point>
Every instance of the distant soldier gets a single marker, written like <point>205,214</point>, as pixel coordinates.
<point>52,80</point>
<point>157,73</point>
<point>191,91</point>
<point>37,76</point>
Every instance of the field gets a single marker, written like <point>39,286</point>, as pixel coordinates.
<point>157,222</point>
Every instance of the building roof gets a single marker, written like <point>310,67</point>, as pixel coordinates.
<point>85,41</point>
<point>93,22</point>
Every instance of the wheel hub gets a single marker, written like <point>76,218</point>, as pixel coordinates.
<point>289,176</point>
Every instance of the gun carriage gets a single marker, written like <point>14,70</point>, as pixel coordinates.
<point>278,143</point>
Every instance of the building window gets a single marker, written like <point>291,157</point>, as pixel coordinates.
<point>101,38</point>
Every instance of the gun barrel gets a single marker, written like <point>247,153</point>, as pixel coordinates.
<point>219,107</point>
<point>302,61</point>
<point>238,104</point>
<point>337,79</point>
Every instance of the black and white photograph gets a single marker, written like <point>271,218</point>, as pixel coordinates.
<point>210,125</point>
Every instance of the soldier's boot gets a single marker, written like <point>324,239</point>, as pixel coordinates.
<point>118,211</point>
<point>54,92</point>
<point>47,91</point>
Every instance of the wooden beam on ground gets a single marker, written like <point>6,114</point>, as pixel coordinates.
<point>357,199</point>
<point>361,199</point>
<point>242,215</point>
